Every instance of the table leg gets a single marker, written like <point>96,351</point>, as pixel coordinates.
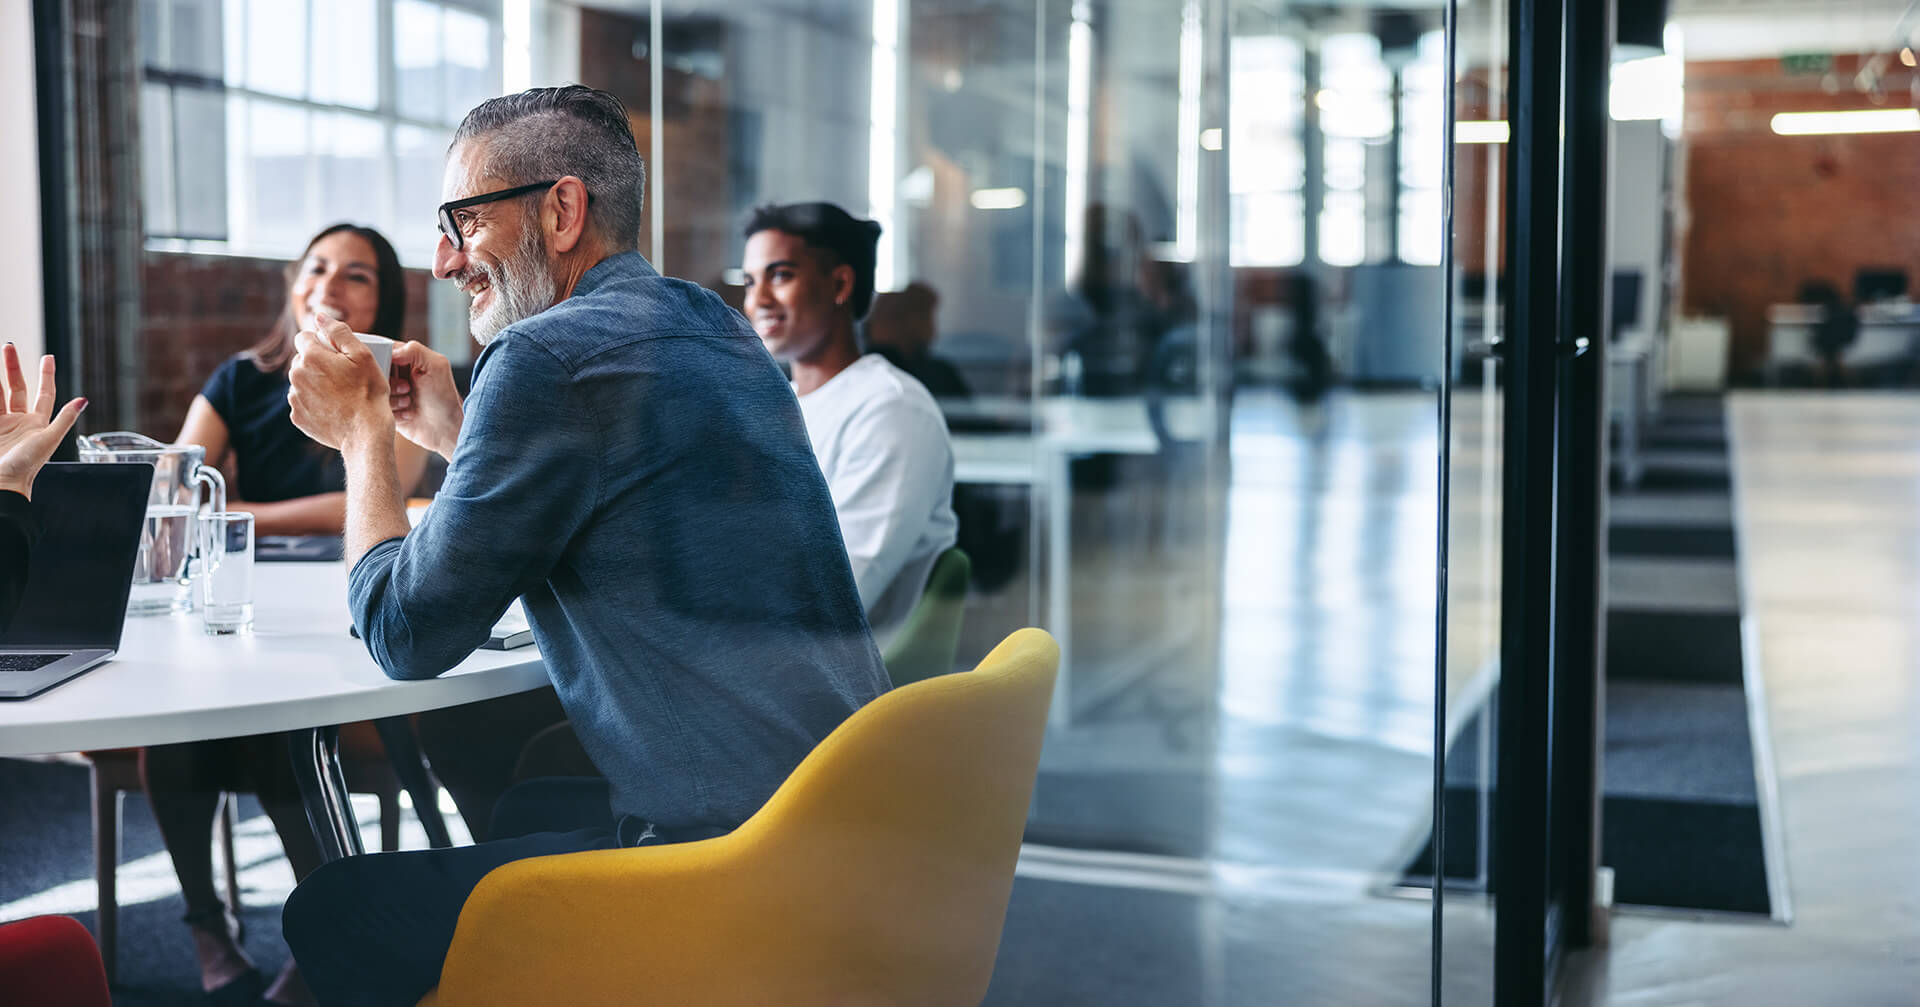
<point>403,752</point>
<point>323,787</point>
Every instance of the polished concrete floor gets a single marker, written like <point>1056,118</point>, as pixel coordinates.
<point>1271,783</point>
<point>1827,506</point>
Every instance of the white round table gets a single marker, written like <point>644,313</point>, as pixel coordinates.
<point>299,671</point>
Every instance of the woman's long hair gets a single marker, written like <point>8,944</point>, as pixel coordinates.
<point>275,350</point>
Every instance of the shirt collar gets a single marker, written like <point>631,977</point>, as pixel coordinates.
<point>613,267</point>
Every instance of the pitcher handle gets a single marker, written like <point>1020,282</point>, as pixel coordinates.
<point>203,557</point>
<point>217,483</point>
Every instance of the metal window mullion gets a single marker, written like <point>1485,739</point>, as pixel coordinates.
<point>313,161</point>
<point>173,157</point>
<point>1581,544</point>
<point>1523,947</point>
<point>656,61</point>
<point>306,91</point>
<point>1443,511</point>
<point>386,107</point>
<point>1313,161</point>
<point>386,100</point>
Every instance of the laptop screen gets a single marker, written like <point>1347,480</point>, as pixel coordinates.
<point>82,566</point>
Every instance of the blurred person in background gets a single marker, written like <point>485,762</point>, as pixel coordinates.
<point>901,327</point>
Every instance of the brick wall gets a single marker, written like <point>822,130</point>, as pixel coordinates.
<point>696,134</point>
<point>198,310</point>
<point>1768,212</point>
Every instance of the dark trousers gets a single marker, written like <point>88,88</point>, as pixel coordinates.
<point>375,929</point>
<point>474,749</point>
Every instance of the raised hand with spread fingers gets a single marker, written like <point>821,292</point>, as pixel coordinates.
<point>29,429</point>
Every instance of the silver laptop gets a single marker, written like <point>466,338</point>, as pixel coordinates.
<point>75,602</point>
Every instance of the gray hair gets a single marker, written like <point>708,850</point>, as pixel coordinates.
<point>549,132</point>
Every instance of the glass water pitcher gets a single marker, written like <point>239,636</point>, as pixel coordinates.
<point>169,547</point>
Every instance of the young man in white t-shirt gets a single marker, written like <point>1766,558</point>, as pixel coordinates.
<point>880,438</point>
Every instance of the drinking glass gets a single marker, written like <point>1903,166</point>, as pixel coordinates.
<point>226,579</point>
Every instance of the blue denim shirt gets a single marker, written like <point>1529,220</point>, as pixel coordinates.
<point>634,466</point>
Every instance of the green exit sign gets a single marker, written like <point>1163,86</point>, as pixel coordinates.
<point>1806,63</point>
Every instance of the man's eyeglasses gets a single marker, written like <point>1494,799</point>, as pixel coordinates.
<point>451,218</point>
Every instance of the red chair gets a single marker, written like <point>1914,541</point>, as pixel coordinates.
<point>51,961</point>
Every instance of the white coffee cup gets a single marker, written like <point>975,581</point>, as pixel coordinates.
<point>381,347</point>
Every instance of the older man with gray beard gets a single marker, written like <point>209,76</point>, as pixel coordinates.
<point>633,467</point>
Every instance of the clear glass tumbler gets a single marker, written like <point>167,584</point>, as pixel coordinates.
<point>226,578</point>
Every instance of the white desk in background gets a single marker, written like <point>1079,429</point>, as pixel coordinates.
<point>1889,335</point>
<point>1062,428</point>
<point>1790,337</point>
<point>298,672</point>
<point>1630,389</point>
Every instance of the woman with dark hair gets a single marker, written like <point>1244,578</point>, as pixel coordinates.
<point>292,486</point>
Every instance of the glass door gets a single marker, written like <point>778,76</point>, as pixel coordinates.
<point>1479,288</point>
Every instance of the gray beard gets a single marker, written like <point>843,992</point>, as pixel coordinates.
<point>523,287</point>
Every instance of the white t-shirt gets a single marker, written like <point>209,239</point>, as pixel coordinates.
<point>882,444</point>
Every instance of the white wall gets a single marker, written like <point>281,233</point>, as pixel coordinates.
<point>20,292</point>
<point>1639,204</point>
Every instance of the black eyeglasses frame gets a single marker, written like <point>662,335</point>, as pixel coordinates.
<point>451,228</point>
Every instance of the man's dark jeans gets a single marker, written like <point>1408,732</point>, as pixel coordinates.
<point>375,929</point>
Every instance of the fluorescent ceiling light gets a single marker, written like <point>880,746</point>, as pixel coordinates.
<point>999,199</point>
<point>1480,131</point>
<point>1865,120</point>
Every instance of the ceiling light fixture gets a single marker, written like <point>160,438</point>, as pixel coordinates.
<point>1865,120</point>
<point>1481,131</point>
<point>999,199</point>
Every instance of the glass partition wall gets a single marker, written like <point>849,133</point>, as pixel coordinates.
<point>1180,275</point>
<point>1477,274</point>
<point>1175,273</point>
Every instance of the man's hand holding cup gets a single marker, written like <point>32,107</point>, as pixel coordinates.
<point>339,386</point>
<point>426,405</point>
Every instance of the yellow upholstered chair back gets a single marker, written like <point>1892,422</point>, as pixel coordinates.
<point>879,873</point>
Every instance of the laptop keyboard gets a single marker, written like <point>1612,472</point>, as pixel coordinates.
<point>28,662</point>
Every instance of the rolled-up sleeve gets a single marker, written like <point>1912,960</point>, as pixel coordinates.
<point>523,480</point>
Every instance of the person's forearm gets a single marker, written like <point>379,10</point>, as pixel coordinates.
<point>375,510</point>
<point>320,514</point>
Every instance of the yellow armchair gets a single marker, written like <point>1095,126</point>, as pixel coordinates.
<point>878,873</point>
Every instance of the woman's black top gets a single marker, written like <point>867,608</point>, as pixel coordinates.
<point>17,532</point>
<point>276,461</point>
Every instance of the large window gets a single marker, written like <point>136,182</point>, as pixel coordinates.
<point>1373,102</point>
<point>264,120</point>
<point>1423,116</point>
<point>1266,165</point>
<point>1356,115</point>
